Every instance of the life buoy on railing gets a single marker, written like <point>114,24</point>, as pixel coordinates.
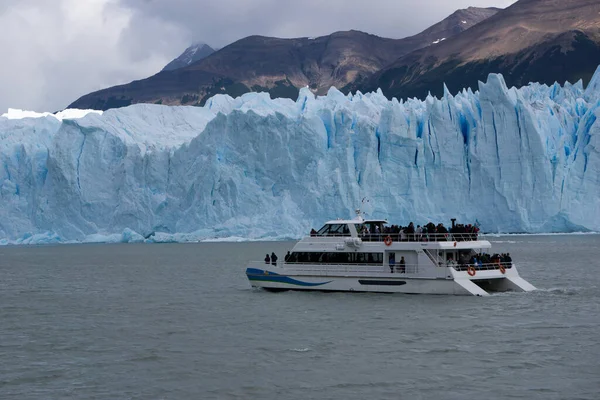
<point>388,240</point>
<point>471,270</point>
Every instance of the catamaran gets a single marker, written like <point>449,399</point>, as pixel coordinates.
<point>365,255</point>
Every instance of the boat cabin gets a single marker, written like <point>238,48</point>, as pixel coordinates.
<point>352,228</point>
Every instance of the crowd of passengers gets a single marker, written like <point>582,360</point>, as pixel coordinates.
<point>426,233</point>
<point>478,260</point>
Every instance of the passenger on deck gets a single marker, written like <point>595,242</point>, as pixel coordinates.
<point>392,262</point>
<point>267,259</point>
<point>313,232</point>
<point>441,232</point>
<point>364,231</point>
<point>403,237</point>
<point>419,233</point>
<point>450,262</point>
<point>273,258</point>
<point>287,256</point>
<point>431,232</point>
<point>410,232</point>
<point>402,267</point>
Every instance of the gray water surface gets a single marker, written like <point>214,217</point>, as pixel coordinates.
<point>180,321</point>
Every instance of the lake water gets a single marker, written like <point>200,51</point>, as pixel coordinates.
<point>180,321</point>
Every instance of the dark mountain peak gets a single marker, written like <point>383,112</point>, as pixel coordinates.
<point>192,54</point>
<point>457,22</point>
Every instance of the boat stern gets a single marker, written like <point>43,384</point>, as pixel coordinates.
<point>482,282</point>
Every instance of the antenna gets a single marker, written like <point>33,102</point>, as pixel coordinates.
<point>358,211</point>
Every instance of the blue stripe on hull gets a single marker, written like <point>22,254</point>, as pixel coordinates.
<point>255,274</point>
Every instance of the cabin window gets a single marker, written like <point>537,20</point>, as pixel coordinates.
<point>334,230</point>
<point>335,258</point>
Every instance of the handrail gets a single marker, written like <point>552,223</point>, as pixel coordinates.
<point>419,237</point>
<point>409,237</point>
<point>483,267</point>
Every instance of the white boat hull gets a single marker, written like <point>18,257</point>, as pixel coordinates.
<point>454,282</point>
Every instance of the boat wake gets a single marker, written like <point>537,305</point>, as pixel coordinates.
<point>300,350</point>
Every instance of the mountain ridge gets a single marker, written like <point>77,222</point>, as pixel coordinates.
<point>279,66</point>
<point>532,40</point>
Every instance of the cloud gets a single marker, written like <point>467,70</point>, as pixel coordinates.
<point>221,22</point>
<point>56,51</point>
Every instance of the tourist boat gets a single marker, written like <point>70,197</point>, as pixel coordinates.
<point>361,255</point>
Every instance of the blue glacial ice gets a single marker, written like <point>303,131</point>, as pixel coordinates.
<point>514,160</point>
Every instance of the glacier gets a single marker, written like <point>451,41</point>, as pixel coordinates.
<point>512,159</point>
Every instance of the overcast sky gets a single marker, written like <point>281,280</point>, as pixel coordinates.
<point>54,51</point>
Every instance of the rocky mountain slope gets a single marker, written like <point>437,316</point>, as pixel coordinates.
<point>533,40</point>
<point>280,66</point>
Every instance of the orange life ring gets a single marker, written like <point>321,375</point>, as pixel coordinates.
<point>471,270</point>
<point>502,269</point>
<point>388,240</point>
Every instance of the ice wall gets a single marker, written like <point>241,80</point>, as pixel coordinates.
<point>515,160</point>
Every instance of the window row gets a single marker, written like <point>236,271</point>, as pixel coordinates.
<point>335,258</point>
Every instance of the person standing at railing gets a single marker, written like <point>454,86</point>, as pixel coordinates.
<point>402,266</point>
<point>267,259</point>
<point>273,258</point>
<point>431,231</point>
<point>410,232</point>
<point>364,231</point>
<point>392,262</point>
<point>441,232</point>
<point>402,235</point>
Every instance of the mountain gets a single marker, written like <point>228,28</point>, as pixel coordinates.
<point>454,24</point>
<point>532,40</point>
<point>515,160</point>
<point>195,52</point>
<point>279,66</point>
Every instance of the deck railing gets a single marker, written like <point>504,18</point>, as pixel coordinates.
<point>483,267</point>
<point>410,237</point>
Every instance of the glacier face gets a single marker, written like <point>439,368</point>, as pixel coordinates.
<point>515,160</point>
